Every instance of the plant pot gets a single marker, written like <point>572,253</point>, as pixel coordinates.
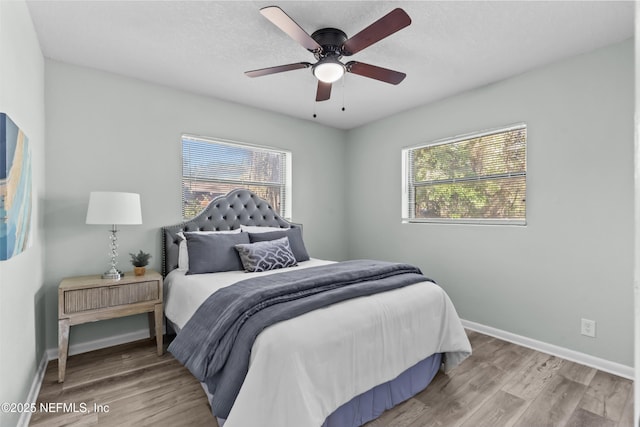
<point>139,271</point>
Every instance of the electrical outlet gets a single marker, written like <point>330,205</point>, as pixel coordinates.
<point>588,328</point>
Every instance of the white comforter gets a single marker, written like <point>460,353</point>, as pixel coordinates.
<point>303,369</point>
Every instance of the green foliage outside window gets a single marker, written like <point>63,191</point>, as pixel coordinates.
<point>480,177</point>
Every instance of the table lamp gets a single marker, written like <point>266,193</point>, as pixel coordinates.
<point>113,208</point>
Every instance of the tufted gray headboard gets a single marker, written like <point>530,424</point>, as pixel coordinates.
<point>239,207</point>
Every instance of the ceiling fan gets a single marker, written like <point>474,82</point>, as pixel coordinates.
<point>329,45</point>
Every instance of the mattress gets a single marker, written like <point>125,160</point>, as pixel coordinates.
<point>304,369</point>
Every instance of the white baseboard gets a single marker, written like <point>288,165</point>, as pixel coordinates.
<point>84,347</point>
<point>25,417</point>
<point>565,353</point>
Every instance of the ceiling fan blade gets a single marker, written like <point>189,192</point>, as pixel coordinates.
<point>277,69</point>
<point>324,91</point>
<point>394,21</point>
<point>373,72</point>
<point>283,21</point>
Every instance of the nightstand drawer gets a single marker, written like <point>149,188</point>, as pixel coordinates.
<point>133,292</point>
<point>86,299</point>
<point>79,300</point>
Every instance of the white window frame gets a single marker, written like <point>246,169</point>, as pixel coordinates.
<point>408,189</point>
<point>285,210</point>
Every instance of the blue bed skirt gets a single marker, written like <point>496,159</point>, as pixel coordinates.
<point>371,404</point>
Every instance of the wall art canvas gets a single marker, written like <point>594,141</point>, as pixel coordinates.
<point>15,190</point>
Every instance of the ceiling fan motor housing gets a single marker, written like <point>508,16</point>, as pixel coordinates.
<point>331,40</point>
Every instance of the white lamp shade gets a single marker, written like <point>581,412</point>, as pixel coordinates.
<point>106,207</point>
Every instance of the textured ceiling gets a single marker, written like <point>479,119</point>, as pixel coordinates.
<point>205,46</point>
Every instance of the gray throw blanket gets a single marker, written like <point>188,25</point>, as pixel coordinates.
<point>215,344</point>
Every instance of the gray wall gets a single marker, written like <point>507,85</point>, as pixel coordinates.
<point>574,258</point>
<point>21,294</point>
<point>111,133</point>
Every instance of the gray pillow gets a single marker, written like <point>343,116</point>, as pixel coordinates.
<point>295,241</point>
<point>212,253</point>
<point>264,256</point>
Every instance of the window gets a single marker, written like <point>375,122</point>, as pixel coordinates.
<point>211,168</point>
<point>477,178</point>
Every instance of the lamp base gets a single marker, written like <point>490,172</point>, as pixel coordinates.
<point>113,274</point>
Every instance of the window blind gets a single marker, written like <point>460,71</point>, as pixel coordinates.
<point>213,167</point>
<point>475,178</point>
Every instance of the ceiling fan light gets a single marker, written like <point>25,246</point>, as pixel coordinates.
<point>328,71</point>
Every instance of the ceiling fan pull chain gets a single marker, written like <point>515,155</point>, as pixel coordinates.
<point>343,79</point>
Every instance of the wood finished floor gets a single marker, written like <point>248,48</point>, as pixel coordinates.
<point>501,384</point>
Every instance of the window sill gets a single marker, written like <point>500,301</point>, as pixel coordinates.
<point>467,221</point>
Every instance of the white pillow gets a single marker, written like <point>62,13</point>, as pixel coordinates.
<point>183,253</point>
<point>259,229</point>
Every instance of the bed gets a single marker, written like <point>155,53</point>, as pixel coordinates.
<point>340,364</point>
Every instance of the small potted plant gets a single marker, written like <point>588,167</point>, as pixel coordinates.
<point>139,261</point>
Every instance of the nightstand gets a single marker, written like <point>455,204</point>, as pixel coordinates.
<point>90,298</point>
